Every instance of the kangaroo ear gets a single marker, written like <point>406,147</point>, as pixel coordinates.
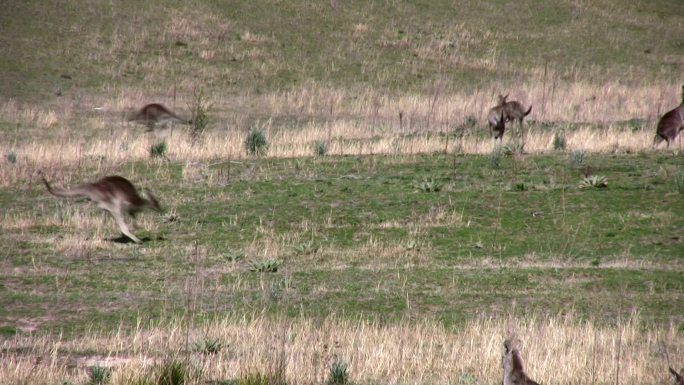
<point>674,372</point>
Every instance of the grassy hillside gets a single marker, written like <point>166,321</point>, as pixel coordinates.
<point>380,227</point>
<point>399,46</point>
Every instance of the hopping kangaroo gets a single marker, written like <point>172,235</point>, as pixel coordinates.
<point>154,113</point>
<point>113,193</point>
<point>511,362</point>
<point>679,379</point>
<point>670,124</point>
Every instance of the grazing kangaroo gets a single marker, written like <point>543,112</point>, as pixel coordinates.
<point>511,362</point>
<point>670,124</point>
<point>679,379</point>
<point>113,193</point>
<point>154,113</point>
<point>512,110</point>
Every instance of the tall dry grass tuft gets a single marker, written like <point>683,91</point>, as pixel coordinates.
<point>558,350</point>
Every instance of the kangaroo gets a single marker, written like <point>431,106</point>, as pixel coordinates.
<point>115,194</point>
<point>512,110</point>
<point>511,362</point>
<point>154,113</point>
<point>497,122</point>
<point>679,379</point>
<point>670,125</point>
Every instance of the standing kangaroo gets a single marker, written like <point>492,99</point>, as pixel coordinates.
<point>154,113</point>
<point>670,124</point>
<point>115,194</point>
<point>511,362</point>
<point>679,379</point>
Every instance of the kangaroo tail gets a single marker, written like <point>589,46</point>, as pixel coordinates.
<point>60,192</point>
<point>528,111</point>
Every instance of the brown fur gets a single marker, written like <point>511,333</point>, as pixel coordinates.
<point>153,113</point>
<point>513,367</point>
<point>670,125</point>
<point>510,111</point>
<point>679,379</point>
<point>115,194</point>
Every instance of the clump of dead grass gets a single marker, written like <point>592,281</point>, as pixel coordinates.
<point>558,350</point>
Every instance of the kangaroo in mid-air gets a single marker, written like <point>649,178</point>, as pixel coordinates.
<point>154,113</point>
<point>115,194</point>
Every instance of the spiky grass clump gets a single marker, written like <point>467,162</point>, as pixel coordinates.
<point>200,119</point>
<point>338,374</point>
<point>495,157</point>
<point>207,346</point>
<point>428,185</point>
<point>256,143</point>
<point>11,157</point>
<point>265,266</point>
<point>594,181</point>
<point>679,182</point>
<point>559,141</point>
<point>320,148</point>
<point>172,372</point>
<point>98,375</point>
<point>578,158</point>
<point>159,150</point>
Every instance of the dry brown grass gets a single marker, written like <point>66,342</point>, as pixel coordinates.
<point>556,350</point>
<point>351,123</point>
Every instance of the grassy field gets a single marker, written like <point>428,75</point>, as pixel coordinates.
<point>380,229</point>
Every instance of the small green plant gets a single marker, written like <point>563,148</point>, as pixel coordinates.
<point>578,158</point>
<point>200,119</point>
<point>265,266</point>
<point>158,150</point>
<point>320,148</point>
<point>338,373</point>
<point>99,374</point>
<point>520,186</point>
<point>207,346</point>
<point>172,372</point>
<point>514,148</point>
<point>593,181</point>
<point>559,141</point>
<point>11,157</point>
<point>428,185</point>
<point>308,247</point>
<point>679,182</point>
<point>470,121</point>
<point>256,143</point>
<point>495,158</point>
<point>253,378</point>
<point>234,255</point>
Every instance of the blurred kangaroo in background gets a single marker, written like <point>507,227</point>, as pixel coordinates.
<point>679,379</point>
<point>670,124</point>
<point>511,362</point>
<point>154,113</point>
<point>115,194</point>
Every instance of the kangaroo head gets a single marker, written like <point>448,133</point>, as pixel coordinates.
<point>502,99</point>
